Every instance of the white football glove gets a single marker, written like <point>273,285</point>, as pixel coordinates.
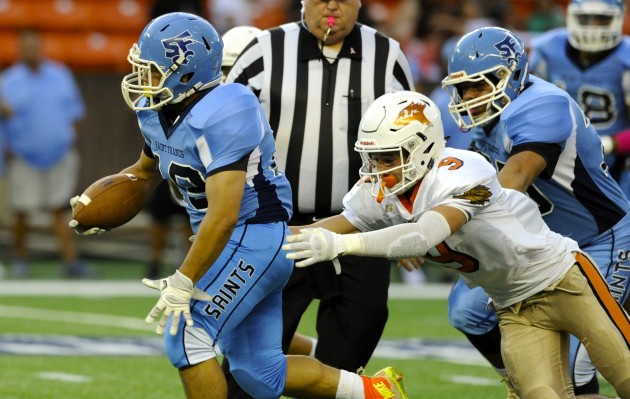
<point>176,292</point>
<point>314,246</point>
<point>80,230</point>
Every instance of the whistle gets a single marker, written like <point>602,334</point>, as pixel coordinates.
<point>331,22</point>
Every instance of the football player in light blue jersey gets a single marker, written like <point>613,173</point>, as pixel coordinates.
<point>590,59</point>
<point>541,143</point>
<point>214,143</point>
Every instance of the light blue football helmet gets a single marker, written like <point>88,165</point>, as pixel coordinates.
<point>595,25</point>
<point>492,56</point>
<point>177,55</point>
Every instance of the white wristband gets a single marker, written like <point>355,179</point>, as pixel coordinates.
<point>353,244</point>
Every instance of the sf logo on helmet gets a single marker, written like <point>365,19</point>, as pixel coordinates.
<point>177,47</point>
<point>508,50</point>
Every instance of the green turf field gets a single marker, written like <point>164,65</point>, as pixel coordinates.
<point>32,318</point>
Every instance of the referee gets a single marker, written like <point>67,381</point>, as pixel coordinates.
<point>315,79</point>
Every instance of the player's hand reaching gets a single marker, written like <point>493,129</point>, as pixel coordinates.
<point>80,230</point>
<point>314,245</point>
<point>176,292</point>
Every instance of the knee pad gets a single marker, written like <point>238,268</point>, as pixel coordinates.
<point>468,310</point>
<point>262,375</point>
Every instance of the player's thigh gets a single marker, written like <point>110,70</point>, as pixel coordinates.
<point>536,358</point>
<point>253,349</point>
<point>247,272</point>
<point>585,307</point>
<point>468,309</point>
<point>61,181</point>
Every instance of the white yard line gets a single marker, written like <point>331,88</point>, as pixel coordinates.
<point>119,288</point>
<point>62,316</point>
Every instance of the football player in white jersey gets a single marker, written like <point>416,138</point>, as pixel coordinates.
<point>418,198</point>
<point>540,142</point>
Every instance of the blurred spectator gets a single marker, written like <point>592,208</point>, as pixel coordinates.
<point>547,15</point>
<point>227,14</point>
<point>43,164</point>
<point>271,13</point>
<point>474,15</point>
<point>5,113</point>
<point>161,7</point>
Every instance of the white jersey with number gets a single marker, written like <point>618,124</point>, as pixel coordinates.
<point>505,246</point>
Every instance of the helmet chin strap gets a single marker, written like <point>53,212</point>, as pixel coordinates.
<point>197,88</point>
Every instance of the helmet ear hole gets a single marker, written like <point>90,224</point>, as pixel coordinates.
<point>205,42</point>
<point>187,77</point>
<point>429,149</point>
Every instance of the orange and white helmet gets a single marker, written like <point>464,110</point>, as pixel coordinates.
<point>407,122</point>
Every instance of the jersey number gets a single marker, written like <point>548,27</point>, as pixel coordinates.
<point>447,255</point>
<point>598,105</point>
<point>193,183</point>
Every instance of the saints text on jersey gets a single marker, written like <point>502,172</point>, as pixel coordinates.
<point>229,289</point>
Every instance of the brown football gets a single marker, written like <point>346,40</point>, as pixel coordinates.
<point>111,201</point>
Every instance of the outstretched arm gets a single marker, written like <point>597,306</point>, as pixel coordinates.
<point>401,241</point>
<point>337,224</point>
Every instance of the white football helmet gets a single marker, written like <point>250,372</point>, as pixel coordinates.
<point>407,122</point>
<point>234,42</point>
<point>595,25</point>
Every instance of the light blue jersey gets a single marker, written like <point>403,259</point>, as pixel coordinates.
<point>580,199</point>
<point>219,129</point>
<point>577,198</point>
<point>602,90</point>
<point>226,129</point>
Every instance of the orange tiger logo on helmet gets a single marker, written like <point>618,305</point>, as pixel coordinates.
<point>477,195</point>
<point>412,112</point>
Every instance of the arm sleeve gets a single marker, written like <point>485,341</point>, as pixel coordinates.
<point>405,240</point>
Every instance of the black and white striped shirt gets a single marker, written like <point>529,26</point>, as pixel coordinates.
<point>315,106</point>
